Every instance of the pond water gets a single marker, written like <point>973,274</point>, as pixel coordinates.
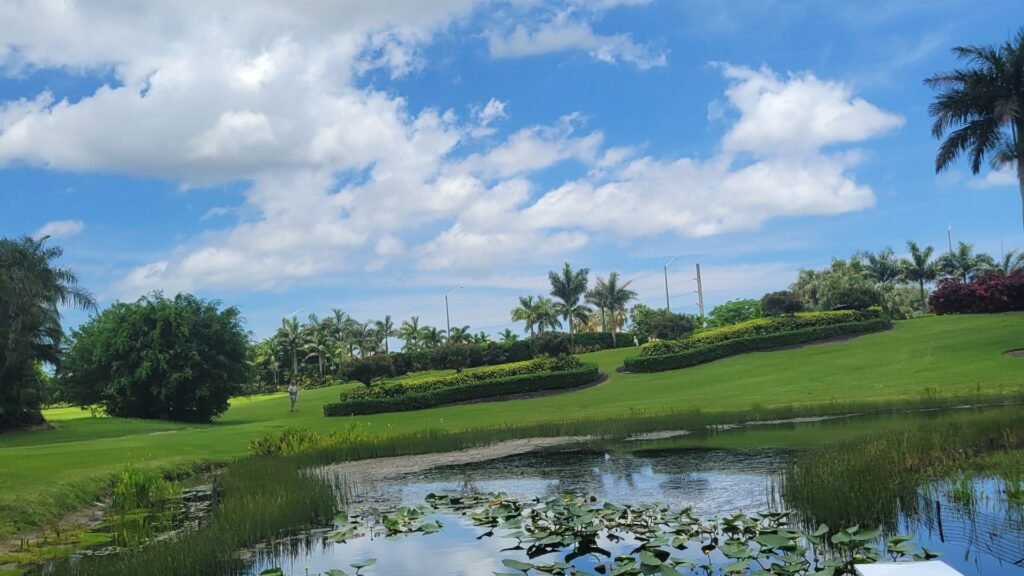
<point>978,535</point>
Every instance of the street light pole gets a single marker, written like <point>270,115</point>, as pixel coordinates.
<point>949,237</point>
<point>700,293</point>
<point>668,305</point>
<point>447,317</point>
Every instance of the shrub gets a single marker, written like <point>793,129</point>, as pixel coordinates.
<point>986,294</point>
<point>669,326</point>
<point>494,388</point>
<point>758,327</point>
<point>552,344</point>
<point>368,369</point>
<point>781,303</point>
<point>456,356</point>
<point>177,358</point>
<point>732,347</point>
<point>596,341</point>
<point>394,389</point>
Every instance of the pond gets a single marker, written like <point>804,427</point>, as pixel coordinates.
<point>980,535</point>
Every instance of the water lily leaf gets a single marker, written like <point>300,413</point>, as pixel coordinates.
<point>364,564</point>
<point>517,565</point>
<point>821,531</point>
<point>773,541</point>
<point>431,527</point>
<point>866,535</point>
<point>649,559</point>
<point>272,572</point>
<point>841,537</point>
<point>740,566</point>
<point>335,572</point>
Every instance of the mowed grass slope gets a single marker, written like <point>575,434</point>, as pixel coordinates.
<point>945,356</point>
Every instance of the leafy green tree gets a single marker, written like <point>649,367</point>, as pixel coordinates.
<point>920,268</point>
<point>887,271</point>
<point>982,108</point>
<point>781,303</point>
<point>32,288</point>
<point>431,337</point>
<point>734,312</point>
<point>507,336</point>
<point>319,342</point>
<point>266,360</point>
<point>964,263</point>
<point>569,287</point>
<point>547,315</point>
<point>669,326</point>
<point>177,358</point>
<point>527,312</point>
<point>460,335</point>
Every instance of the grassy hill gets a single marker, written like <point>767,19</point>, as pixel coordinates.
<point>938,356</point>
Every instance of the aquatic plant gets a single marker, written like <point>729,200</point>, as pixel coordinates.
<point>294,440</point>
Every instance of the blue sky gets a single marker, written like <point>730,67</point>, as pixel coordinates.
<point>372,155</point>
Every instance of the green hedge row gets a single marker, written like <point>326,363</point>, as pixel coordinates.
<point>741,345</point>
<point>580,376</point>
<point>758,327</point>
<point>396,388</point>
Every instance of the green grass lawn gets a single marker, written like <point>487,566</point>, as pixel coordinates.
<point>930,356</point>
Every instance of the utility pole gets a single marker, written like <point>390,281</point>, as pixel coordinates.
<point>668,305</point>
<point>700,294</point>
<point>447,317</point>
<point>949,237</point>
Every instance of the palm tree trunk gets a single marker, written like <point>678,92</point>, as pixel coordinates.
<point>1020,179</point>
<point>295,363</point>
<point>924,303</point>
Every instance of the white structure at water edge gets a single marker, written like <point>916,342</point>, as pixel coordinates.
<point>930,568</point>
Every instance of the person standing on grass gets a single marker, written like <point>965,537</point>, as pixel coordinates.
<point>293,393</point>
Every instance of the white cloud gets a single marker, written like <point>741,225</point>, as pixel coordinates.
<point>995,179</point>
<point>60,229</point>
<point>343,177</point>
<point>562,34</point>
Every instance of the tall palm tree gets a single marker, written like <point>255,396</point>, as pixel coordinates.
<point>983,107</point>
<point>32,289</point>
<point>1013,261</point>
<point>526,312</point>
<point>319,342</point>
<point>289,338</point>
<point>409,333</point>
<point>614,297</point>
<point>920,268</point>
<point>963,263</point>
<point>569,287</point>
<point>507,336</point>
<point>386,329</point>
<point>596,297</point>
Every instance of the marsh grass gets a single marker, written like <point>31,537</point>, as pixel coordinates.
<point>260,500</point>
<point>879,477</point>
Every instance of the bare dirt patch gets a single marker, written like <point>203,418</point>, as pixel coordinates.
<point>1019,353</point>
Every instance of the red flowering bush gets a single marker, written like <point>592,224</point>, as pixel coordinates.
<point>989,293</point>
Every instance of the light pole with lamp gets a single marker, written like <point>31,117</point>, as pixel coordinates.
<point>668,305</point>
<point>447,317</point>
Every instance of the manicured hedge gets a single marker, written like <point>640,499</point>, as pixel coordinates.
<point>758,327</point>
<point>595,341</point>
<point>495,388</point>
<point>392,389</point>
<point>741,345</point>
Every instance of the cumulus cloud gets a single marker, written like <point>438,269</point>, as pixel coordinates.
<point>60,229</point>
<point>340,176</point>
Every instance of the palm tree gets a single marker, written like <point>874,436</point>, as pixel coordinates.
<point>526,312</point>
<point>431,337</point>
<point>409,333</point>
<point>614,298</point>
<point>920,268</point>
<point>289,338</point>
<point>569,287</point>
<point>983,105</point>
<point>596,297</point>
<point>963,263</point>
<point>547,315</point>
<point>460,335</point>
<point>508,336</point>
<point>319,342</point>
<point>32,289</point>
<point>386,329</point>
<point>1013,261</point>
